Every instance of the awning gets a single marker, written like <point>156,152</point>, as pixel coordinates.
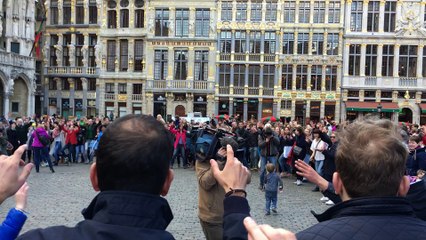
<point>423,107</point>
<point>371,106</point>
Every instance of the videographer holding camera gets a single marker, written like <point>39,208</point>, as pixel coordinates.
<point>268,144</point>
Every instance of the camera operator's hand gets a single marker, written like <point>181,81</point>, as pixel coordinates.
<point>234,175</point>
<point>266,232</point>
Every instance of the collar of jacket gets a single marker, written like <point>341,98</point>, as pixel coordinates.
<point>130,209</point>
<point>368,206</point>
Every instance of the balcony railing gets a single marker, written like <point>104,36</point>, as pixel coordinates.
<point>180,85</point>
<point>110,96</point>
<point>268,91</point>
<point>72,70</point>
<point>13,59</point>
<point>239,57</point>
<point>136,97</point>
<point>370,81</point>
<point>254,57</point>
<point>407,82</point>
<point>223,90</point>
<point>253,91</point>
<point>269,57</point>
<point>225,57</point>
<point>239,90</point>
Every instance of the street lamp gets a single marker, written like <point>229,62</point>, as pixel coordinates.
<point>379,110</point>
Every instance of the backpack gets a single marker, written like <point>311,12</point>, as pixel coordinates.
<point>45,141</point>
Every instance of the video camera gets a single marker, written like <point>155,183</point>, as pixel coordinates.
<point>209,142</point>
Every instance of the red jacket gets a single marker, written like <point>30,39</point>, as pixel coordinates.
<point>179,135</point>
<point>71,135</point>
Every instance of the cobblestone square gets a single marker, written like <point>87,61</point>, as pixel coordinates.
<point>57,199</point>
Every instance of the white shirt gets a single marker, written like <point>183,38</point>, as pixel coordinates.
<point>318,144</point>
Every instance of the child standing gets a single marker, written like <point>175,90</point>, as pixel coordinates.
<point>272,184</point>
<point>16,217</point>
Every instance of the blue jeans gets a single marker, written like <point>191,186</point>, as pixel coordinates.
<point>57,151</point>
<point>318,166</point>
<point>180,149</point>
<point>88,147</point>
<point>264,160</point>
<point>80,149</point>
<point>254,157</point>
<point>271,200</point>
<point>71,152</point>
<point>241,155</point>
<point>40,154</point>
<point>282,161</point>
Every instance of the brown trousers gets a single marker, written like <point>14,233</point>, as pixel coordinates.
<point>212,231</point>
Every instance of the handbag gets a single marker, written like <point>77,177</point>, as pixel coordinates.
<point>297,150</point>
<point>45,141</point>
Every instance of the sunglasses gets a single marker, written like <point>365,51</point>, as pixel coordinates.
<point>332,136</point>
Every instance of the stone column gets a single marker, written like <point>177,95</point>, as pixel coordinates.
<point>84,83</point>
<point>72,94</point>
<point>73,12</point>
<point>58,49</point>
<point>172,17</point>
<point>308,78</point>
<point>379,60</point>
<point>259,109</point>
<point>346,60</point>
<point>364,16</point>
<point>396,60</point>
<point>348,13</point>
<point>100,96</point>
<point>85,48</point>
<point>362,61</point>
<point>191,58</point>
<point>216,108</point>
<point>130,55</point>
<point>337,110</point>
<point>211,105</point>
<point>171,62</point>
<point>322,109</point>
<point>381,16</point>
<point>296,34</point>
<point>231,106</point>
<point>307,110</point>
<point>311,34</point>
<point>245,109</point>
<point>129,98</point>
<point>60,14</point>
<point>293,88</point>
<point>296,14</point>
<point>191,33</point>
<point>277,78</point>
<point>6,106</point>
<point>293,109</point>
<point>339,78</point>
<point>275,108</point>
<point>323,76</point>
<point>327,5</point>
<point>170,109</point>
<point>71,48</point>
<point>58,95</point>
<point>231,84</point>
<point>420,64</point>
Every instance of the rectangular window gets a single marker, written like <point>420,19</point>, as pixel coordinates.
<point>160,64</point>
<point>241,11</point>
<point>65,84</point>
<point>240,41</point>
<point>111,56</point>
<point>373,16</point>
<point>333,44</point>
<point>270,43</point>
<point>253,78</point>
<point>268,76</point>
<point>271,11</point>
<point>52,84</point>
<point>124,55</point>
<point>304,11</point>
<point>139,18</point>
<point>356,16</point>
<point>15,107</point>
<point>226,12</point>
<point>316,77</point>
<point>255,42</point>
<point>162,22</point>
<point>407,61</point>
<point>256,11</point>
<point>285,104</point>
<point>317,43</point>
<point>124,18</point>
<point>289,11</point>
<point>390,16</point>
<point>91,82</point>
<point>93,13</point>
<point>319,12</point>
<point>66,12</point>
<point>287,77</point>
<point>14,47</point>
<point>122,88</point>
<point>112,19</point>
<point>54,12</point>
<point>65,50</point>
<point>109,88</point>
<point>137,88</point>
<point>138,55</point>
<point>354,59</point>
<point>239,75</point>
<point>288,43</point>
<point>371,60</point>
<point>79,42</point>
<point>225,42</point>
<point>387,60</point>
<point>181,64</point>
<point>201,71</point>
<point>202,22</point>
<point>79,13</point>
<point>182,22</point>
<point>52,50</point>
<point>224,75</point>
<point>302,43</point>
<point>334,12</point>
<point>301,77</point>
<point>78,84</point>
<point>92,44</point>
<point>330,78</point>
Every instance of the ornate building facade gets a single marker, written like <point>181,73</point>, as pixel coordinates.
<point>17,67</point>
<point>385,60</point>
<point>72,57</point>
<point>280,58</point>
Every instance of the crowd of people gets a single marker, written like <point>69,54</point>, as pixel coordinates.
<point>371,170</point>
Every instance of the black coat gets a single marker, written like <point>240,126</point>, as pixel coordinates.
<point>252,139</point>
<point>115,215</point>
<point>329,164</point>
<point>301,142</point>
<point>367,218</point>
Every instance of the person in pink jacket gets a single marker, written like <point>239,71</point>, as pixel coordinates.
<point>180,144</point>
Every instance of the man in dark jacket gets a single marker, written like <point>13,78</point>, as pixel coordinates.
<point>130,180</point>
<point>370,209</point>
<point>268,145</point>
<point>22,131</point>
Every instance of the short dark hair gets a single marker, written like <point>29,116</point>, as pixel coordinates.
<point>134,154</point>
<point>371,158</point>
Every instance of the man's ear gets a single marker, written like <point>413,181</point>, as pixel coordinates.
<point>404,186</point>
<point>94,177</point>
<point>167,183</point>
<point>339,187</point>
